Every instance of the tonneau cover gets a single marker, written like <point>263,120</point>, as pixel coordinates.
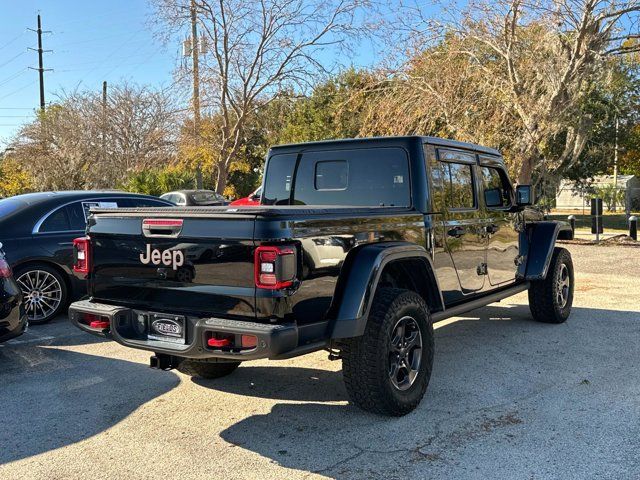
<point>262,210</point>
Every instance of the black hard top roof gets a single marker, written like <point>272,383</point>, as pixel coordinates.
<point>387,141</point>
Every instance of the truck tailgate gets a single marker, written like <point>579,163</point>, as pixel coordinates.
<point>174,260</point>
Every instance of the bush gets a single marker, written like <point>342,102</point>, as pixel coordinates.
<point>159,181</point>
<point>609,194</point>
<point>14,180</point>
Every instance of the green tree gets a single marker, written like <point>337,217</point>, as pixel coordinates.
<point>335,109</point>
<point>159,181</point>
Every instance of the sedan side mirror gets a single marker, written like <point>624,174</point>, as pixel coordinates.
<point>524,195</point>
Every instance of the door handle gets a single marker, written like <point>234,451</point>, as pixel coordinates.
<point>456,232</point>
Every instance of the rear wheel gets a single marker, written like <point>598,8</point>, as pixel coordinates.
<point>207,368</point>
<point>550,300</point>
<point>44,290</point>
<point>387,370</point>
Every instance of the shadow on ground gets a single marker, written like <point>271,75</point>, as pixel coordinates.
<point>508,398</point>
<point>50,398</point>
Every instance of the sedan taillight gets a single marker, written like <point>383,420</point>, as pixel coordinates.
<point>81,255</point>
<point>5,269</point>
<point>275,266</point>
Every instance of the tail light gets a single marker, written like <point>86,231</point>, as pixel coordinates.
<point>81,255</point>
<point>5,269</point>
<point>275,267</point>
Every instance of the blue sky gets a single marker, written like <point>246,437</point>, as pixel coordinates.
<point>91,41</point>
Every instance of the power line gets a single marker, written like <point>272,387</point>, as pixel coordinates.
<point>18,90</point>
<point>14,76</point>
<point>127,41</point>
<point>13,58</point>
<point>11,41</point>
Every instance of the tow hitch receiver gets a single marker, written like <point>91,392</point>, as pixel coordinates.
<point>161,361</point>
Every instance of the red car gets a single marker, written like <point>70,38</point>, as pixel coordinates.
<point>252,199</point>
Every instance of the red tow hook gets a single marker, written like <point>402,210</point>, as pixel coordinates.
<point>218,342</point>
<point>99,324</point>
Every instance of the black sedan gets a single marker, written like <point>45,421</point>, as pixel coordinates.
<point>13,320</point>
<point>195,198</point>
<point>37,230</point>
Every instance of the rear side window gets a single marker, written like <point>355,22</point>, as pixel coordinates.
<point>358,177</point>
<point>458,179</point>
<point>277,180</point>
<point>58,221</point>
<point>76,216</point>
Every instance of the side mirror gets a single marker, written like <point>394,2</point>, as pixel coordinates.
<point>524,195</point>
<point>493,197</point>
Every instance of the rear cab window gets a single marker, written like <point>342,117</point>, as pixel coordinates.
<point>357,177</point>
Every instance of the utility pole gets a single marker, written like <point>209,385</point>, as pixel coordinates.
<point>104,122</point>
<point>40,68</point>
<point>615,168</point>
<point>196,92</point>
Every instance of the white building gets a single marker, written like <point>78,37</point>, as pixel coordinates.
<point>568,198</point>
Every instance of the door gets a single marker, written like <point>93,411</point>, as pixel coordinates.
<point>462,229</point>
<point>502,236</point>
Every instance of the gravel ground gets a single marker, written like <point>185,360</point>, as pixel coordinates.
<point>509,398</point>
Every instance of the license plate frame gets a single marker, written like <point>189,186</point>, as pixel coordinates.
<point>164,327</point>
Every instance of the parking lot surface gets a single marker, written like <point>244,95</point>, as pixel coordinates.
<point>509,398</point>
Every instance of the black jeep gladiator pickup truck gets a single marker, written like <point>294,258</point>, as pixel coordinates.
<point>358,246</point>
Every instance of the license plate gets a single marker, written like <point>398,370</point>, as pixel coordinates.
<point>167,328</point>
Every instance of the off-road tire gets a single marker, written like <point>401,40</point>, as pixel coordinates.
<point>366,359</point>
<point>545,296</point>
<point>207,368</point>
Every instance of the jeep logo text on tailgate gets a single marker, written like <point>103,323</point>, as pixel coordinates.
<point>169,258</point>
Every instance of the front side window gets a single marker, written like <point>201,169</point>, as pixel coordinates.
<point>496,191</point>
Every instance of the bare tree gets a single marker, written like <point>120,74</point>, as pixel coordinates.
<point>539,60</point>
<point>257,49</point>
<point>63,148</point>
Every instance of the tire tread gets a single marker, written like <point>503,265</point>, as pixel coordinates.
<point>361,359</point>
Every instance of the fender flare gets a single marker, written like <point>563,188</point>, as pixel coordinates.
<point>357,285</point>
<point>537,243</point>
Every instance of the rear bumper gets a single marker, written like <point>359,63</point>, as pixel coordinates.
<point>14,325</point>
<point>273,341</point>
